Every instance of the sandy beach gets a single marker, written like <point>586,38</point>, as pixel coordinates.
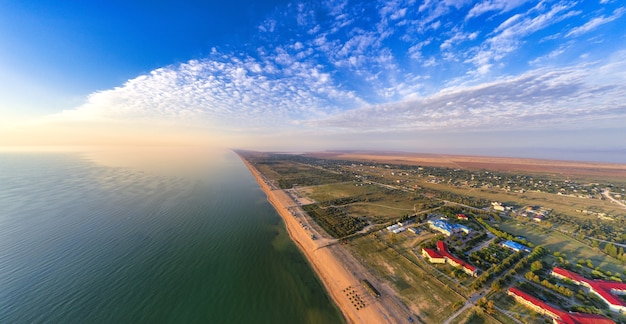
<point>340,273</point>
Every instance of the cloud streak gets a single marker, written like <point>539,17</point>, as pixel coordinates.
<point>557,98</point>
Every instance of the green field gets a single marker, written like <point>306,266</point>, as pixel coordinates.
<point>289,173</point>
<point>337,190</point>
<point>376,203</point>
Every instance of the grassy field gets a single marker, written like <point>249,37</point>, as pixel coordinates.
<point>378,204</point>
<point>288,173</point>
<point>337,190</point>
<point>427,298</point>
<point>557,241</point>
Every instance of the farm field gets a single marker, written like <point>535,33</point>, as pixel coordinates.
<point>376,203</point>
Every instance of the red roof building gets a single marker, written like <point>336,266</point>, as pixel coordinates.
<point>606,290</point>
<point>442,253</point>
<point>454,261</point>
<point>558,316</point>
<point>461,216</point>
<point>433,256</point>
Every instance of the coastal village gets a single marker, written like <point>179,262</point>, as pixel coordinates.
<point>428,253</point>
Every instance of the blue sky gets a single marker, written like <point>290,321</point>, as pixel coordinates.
<point>448,76</point>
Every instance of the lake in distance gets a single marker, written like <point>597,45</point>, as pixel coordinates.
<point>152,241</point>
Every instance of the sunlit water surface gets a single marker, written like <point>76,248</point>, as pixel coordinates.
<point>182,236</point>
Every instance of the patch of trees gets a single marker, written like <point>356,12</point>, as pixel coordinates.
<point>471,243</point>
<point>591,301</point>
<point>545,295</point>
<point>608,230</point>
<point>532,276</point>
<point>465,200</point>
<point>486,305</point>
<point>342,201</point>
<point>493,254</point>
<point>496,270</point>
<point>611,250</point>
<point>283,184</point>
<point>335,221</point>
<point>585,309</point>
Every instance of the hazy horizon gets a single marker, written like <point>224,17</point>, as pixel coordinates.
<point>505,78</point>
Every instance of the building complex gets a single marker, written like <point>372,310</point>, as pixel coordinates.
<point>447,229</point>
<point>604,289</point>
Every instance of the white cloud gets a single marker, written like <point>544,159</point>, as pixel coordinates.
<point>220,93</point>
<point>534,100</point>
<point>509,34</point>
<point>595,22</point>
<point>494,5</point>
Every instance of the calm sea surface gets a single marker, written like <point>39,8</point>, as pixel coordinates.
<point>86,242</point>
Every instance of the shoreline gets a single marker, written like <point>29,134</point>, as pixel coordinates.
<point>336,278</point>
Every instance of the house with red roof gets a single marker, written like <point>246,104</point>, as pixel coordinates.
<point>433,256</point>
<point>604,289</point>
<point>558,316</point>
<point>442,254</point>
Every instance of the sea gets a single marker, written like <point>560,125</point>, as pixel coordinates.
<point>163,236</point>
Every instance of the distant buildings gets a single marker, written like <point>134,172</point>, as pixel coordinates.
<point>604,289</point>
<point>515,246</point>
<point>442,255</point>
<point>558,316</point>
<point>396,228</point>
<point>497,206</point>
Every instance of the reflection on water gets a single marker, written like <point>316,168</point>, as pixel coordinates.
<point>146,235</point>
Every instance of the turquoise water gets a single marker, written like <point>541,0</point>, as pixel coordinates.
<point>85,242</point>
